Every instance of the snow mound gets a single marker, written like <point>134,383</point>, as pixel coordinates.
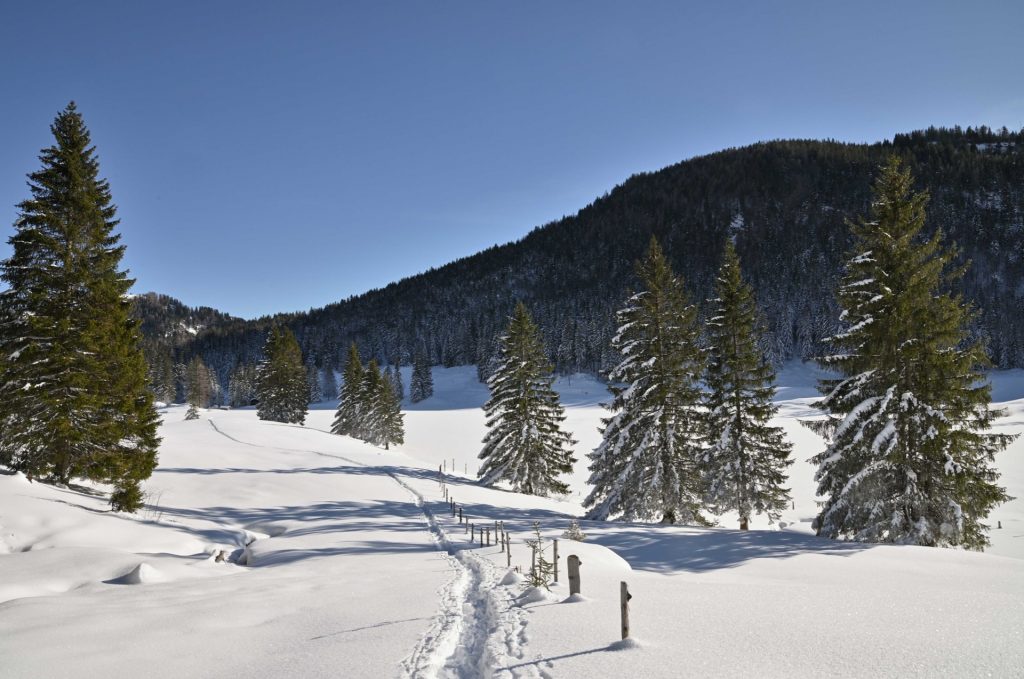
<point>511,578</point>
<point>574,598</point>
<point>533,595</point>
<point>140,575</point>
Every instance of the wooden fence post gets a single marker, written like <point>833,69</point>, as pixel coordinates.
<point>488,533</point>
<point>460,514</point>
<point>480,534</point>
<point>624,597</point>
<point>574,574</point>
<point>471,532</point>
<point>508,552</point>
<point>556,559</point>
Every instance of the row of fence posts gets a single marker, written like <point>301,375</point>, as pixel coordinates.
<point>504,540</point>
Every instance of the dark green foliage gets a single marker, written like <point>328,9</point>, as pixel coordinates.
<point>281,380</point>
<point>525,444</point>
<point>745,463</point>
<point>646,467</point>
<point>313,381</point>
<point>242,386</point>
<point>396,382</point>
<point>381,421</point>
<point>75,400</point>
<point>909,457</point>
<point>421,386</point>
<point>348,416</point>
<point>369,409</point>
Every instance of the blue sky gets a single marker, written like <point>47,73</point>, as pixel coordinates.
<point>280,156</point>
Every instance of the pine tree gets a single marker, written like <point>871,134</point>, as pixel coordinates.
<point>281,379</point>
<point>396,382</point>
<point>525,444</point>
<point>909,458</point>
<point>242,386</point>
<point>313,381</point>
<point>747,458</point>
<point>74,400</point>
<point>372,411</point>
<point>348,417</point>
<point>646,467</point>
<point>387,409</point>
<point>329,384</point>
<point>421,386</point>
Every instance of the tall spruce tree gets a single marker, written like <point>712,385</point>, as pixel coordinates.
<point>387,414</point>
<point>74,399</point>
<point>910,456</point>
<point>396,382</point>
<point>372,412</point>
<point>647,465</point>
<point>525,444</point>
<point>347,419</point>
<point>281,379</point>
<point>313,381</point>
<point>747,458</point>
<point>421,385</point>
<point>329,383</point>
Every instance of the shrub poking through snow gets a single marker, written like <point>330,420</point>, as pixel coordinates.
<point>574,532</point>
<point>542,570</point>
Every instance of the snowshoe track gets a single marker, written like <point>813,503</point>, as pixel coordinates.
<point>480,631</point>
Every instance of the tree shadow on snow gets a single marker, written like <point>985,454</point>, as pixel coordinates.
<point>665,549</point>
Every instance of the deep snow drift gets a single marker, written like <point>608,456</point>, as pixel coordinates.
<point>276,550</point>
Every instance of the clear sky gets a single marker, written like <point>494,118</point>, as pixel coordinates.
<point>277,156</point>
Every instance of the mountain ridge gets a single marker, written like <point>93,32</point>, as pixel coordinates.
<point>783,202</point>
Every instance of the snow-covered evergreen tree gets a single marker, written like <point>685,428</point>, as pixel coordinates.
<point>396,382</point>
<point>525,444</point>
<point>74,393</point>
<point>421,386</point>
<point>646,467</point>
<point>747,458</point>
<point>313,380</point>
<point>372,413</point>
<point>242,386</point>
<point>910,456</point>
<point>328,384</point>
<point>347,419</point>
<point>387,415</point>
<point>281,380</point>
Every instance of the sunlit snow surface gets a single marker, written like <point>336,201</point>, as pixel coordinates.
<point>356,568</point>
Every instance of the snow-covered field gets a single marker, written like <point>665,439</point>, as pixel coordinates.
<point>354,567</point>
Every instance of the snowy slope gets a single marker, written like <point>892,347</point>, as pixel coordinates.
<point>354,567</point>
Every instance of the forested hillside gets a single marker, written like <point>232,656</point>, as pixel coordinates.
<point>785,203</point>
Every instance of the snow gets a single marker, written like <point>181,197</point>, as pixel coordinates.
<point>356,567</point>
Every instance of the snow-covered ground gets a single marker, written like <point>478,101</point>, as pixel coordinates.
<point>344,561</point>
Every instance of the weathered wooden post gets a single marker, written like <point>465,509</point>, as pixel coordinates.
<point>488,533</point>
<point>508,552</point>
<point>460,514</point>
<point>624,597</point>
<point>471,532</point>
<point>533,562</point>
<point>574,574</point>
<point>556,559</point>
<point>500,539</point>
<point>480,534</point>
